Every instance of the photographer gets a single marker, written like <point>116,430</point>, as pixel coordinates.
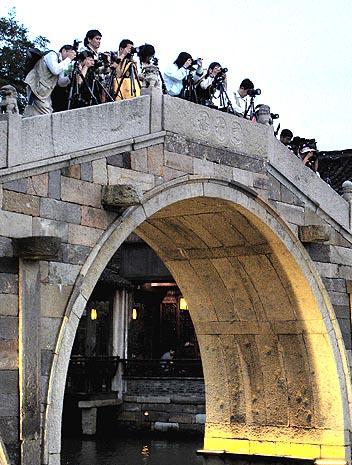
<point>240,105</point>
<point>286,136</point>
<point>43,77</point>
<point>126,84</point>
<point>92,42</point>
<point>178,72</point>
<point>309,155</point>
<point>206,86</point>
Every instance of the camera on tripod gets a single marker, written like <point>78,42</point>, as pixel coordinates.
<point>274,115</point>
<point>253,92</point>
<point>75,45</point>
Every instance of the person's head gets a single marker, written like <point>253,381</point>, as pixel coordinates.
<point>66,51</point>
<point>286,136</point>
<point>146,52</point>
<point>92,39</point>
<point>125,46</point>
<point>245,85</point>
<point>214,68</point>
<point>182,59</point>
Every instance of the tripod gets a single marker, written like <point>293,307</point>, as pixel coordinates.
<point>250,110</point>
<point>224,100</point>
<point>129,76</point>
<point>74,97</point>
<point>189,89</point>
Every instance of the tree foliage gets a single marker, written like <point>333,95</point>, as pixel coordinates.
<point>14,42</point>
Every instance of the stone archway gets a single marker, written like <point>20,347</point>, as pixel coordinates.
<point>274,362</point>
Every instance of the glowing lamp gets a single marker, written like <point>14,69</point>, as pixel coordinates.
<point>134,314</point>
<point>183,304</point>
<point>93,314</point>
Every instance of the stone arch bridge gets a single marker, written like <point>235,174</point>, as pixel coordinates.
<point>258,244</point>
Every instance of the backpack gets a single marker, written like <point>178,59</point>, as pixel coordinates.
<point>33,55</point>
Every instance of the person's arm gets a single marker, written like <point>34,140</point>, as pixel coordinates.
<point>239,104</point>
<point>206,82</point>
<point>51,60</point>
<point>172,72</point>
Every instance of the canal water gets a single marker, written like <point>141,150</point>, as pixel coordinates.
<point>131,451</point>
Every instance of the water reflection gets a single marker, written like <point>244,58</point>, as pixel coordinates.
<point>130,451</point>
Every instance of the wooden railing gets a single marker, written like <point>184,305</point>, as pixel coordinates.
<point>162,368</point>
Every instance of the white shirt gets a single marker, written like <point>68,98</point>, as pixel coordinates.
<point>240,104</point>
<point>173,78</point>
<point>58,66</point>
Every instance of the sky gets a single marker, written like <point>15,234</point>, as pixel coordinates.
<point>298,52</point>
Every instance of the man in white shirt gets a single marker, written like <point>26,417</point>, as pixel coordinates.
<point>241,103</point>
<point>43,77</point>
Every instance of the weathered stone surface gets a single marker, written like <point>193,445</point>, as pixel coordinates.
<point>139,160</point>
<point>6,249</point>
<point>38,185</point>
<point>8,265</point>
<point>37,247</point>
<point>71,191</point>
<point>8,381</point>
<point>46,361</point>
<point>8,327</point>
<point>116,197</point>
<point>100,174</point>
<point>3,145</point>
<point>87,171</point>
<point>72,171</point>
<point>9,429</point>
<point>122,160</point>
<point>314,233</point>
<point>164,427</point>
<point>8,304</point>
<point>8,283</point>
<point>54,297</point>
<point>49,332</point>
<point>20,185</point>
<point>96,218</point>
<point>83,235</point>
<point>118,176</point>
<point>54,184</point>
<point>155,155</point>
<point>9,404</point>
<point>60,211</point>
<point>15,224</point>
<point>46,227</point>
<point>63,273</point>
<point>9,354</point>
<point>75,254</point>
<point>178,162</point>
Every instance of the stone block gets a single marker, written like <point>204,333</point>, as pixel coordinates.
<point>9,430</point>
<point>129,177</point>
<point>345,326</point>
<point>89,421</point>
<point>8,283</point>
<point>60,211</point>
<point>38,185</point>
<point>339,298</point>
<point>54,298</point>
<point>9,265</point>
<point>15,224</point>
<point>287,196</point>
<point>9,304</point>
<point>72,189</point>
<point>119,197</point>
<point>75,254</point>
<point>182,418</point>
<point>342,311</point>
<point>3,144</point>
<point>139,160</point>
<point>335,284</point>
<point>77,130</point>
<point>72,171</point>
<point>6,249</point>
<point>178,162</point>
<point>170,173</point>
<point>203,167</point>
<point>63,273</point>
<point>122,160</point>
<point>37,247</point>
<point>20,203</point>
<point>96,218</point>
<point>330,270</point>
<point>9,354</point>
<point>314,233</point>
<point>46,227</point>
<point>9,404</point>
<point>8,381</point>
<point>49,332</point>
<point>19,185</point>
<point>155,156</point>
<point>291,213</point>
<point>33,147</point>
<point>54,184</point>
<point>165,427</point>
<point>100,174</point>
<point>46,361</point>
<point>83,235</point>
<point>87,171</point>
<point>8,327</point>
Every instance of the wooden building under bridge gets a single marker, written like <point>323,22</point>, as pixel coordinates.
<point>116,378</point>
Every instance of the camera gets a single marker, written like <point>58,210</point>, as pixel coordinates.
<point>75,45</point>
<point>253,92</point>
<point>274,115</point>
<point>155,61</point>
<point>197,62</point>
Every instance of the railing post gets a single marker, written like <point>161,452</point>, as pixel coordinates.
<point>347,195</point>
<point>156,107</point>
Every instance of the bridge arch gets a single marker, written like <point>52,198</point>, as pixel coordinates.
<point>274,363</point>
